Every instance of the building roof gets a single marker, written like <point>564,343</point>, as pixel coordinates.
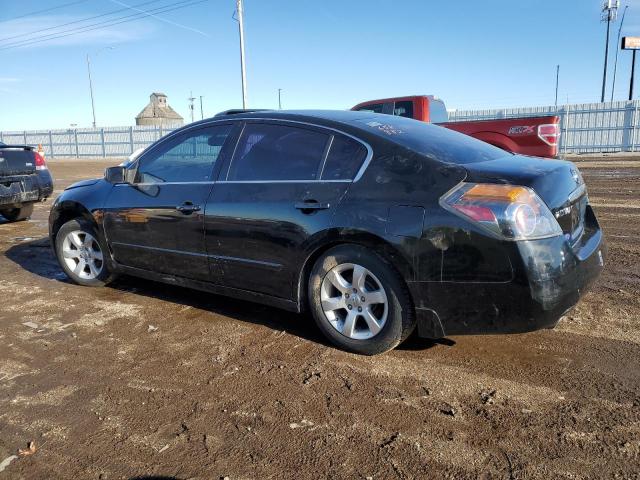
<point>154,110</point>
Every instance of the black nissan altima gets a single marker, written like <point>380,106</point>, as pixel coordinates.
<point>373,223</point>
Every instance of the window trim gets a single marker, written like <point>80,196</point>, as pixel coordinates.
<point>135,165</point>
<point>244,121</point>
<point>225,164</point>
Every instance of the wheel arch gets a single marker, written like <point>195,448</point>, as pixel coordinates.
<point>377,244</point>
<point>66,211</point>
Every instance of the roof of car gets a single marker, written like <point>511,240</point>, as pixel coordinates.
<point>345,117</point>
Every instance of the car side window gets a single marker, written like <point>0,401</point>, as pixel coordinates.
<point>188,158</point>
<point>344,159</point>
<point>403,109</point>
<point>277,152</point>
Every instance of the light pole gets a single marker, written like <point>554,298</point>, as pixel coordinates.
<point>93,105</point>
<point>557,82</point>
<point>615,64</point>
<point>201,110</point>
<point>191,99</point>
<point>279,99</point>
<point>609,13</point>
<point>240,12</point>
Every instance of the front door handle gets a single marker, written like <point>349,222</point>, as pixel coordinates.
<point>188,208</point>
<point>310,206</point>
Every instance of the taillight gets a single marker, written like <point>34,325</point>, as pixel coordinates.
<point>39,161</point>
<point>549,133</point>
<point>507,211</point>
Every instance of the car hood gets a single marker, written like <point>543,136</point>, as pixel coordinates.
<point>83,183</point>
<point>553,180</point>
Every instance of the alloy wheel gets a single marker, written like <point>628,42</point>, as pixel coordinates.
<point>82,254</point>
<point>354,301</point>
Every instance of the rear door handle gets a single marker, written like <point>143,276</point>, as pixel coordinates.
<point>188,208</point>
<point>311,205</point>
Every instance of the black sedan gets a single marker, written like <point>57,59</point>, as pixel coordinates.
<point>375,224</point>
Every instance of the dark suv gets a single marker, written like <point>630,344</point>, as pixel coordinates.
<point>374,223</point>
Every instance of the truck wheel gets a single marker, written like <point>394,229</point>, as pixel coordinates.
<point>359,301</point>
<point>23,212</point>
<point>81,253</point>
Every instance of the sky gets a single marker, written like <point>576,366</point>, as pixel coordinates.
<point>329,54</point>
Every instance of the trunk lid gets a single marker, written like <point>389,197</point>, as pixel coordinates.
<point>16,161</point>
<point>558,183</point>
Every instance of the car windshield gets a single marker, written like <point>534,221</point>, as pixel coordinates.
<point>435,142</point>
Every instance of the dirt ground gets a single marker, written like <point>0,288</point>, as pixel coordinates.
<point>143,380</point>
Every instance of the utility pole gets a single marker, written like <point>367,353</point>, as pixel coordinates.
<point>615,64</point>
<point>191,99</point>
<point>93,105</point>
<point>201,111</point>
<point>609,13</point>
<point>557,82</point>
<point>633,72</point>
<point>279,99</point>
<point>240,12</point>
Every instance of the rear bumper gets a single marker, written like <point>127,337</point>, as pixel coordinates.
<point>548,281</point>
<point>21,189</point>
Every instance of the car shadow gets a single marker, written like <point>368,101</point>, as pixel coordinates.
<point>36,257</point>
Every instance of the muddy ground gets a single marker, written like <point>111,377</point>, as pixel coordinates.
<point>140,379</point>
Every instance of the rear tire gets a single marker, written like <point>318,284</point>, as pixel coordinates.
<point>23,212</point>
<point>359,301</point>
<point>82,254</point>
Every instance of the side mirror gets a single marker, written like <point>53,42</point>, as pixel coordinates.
<point>116,175</point>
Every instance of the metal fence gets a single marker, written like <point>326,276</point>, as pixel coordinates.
<point>586,127</point>
<point>89,142</point>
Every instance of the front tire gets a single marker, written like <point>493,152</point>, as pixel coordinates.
<point>82,254</point>
<point>23,212</point>
<point>359,301</point>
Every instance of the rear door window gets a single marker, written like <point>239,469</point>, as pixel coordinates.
<point>272,152</point>
<point>344,159</point>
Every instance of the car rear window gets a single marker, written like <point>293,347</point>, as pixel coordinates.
<point>435,142</point>
<point>344,159</point>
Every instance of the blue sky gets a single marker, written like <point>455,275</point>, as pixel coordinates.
<point>322,53</point>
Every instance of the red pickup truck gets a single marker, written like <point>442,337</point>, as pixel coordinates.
<point>535,136</point>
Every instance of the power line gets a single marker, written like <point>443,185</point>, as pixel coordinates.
<point>75,21</point>
<point>46,10</point>
<point>170,22</point>
<point>101,25</point>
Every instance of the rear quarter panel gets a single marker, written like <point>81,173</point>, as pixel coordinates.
<point>381,202</point>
